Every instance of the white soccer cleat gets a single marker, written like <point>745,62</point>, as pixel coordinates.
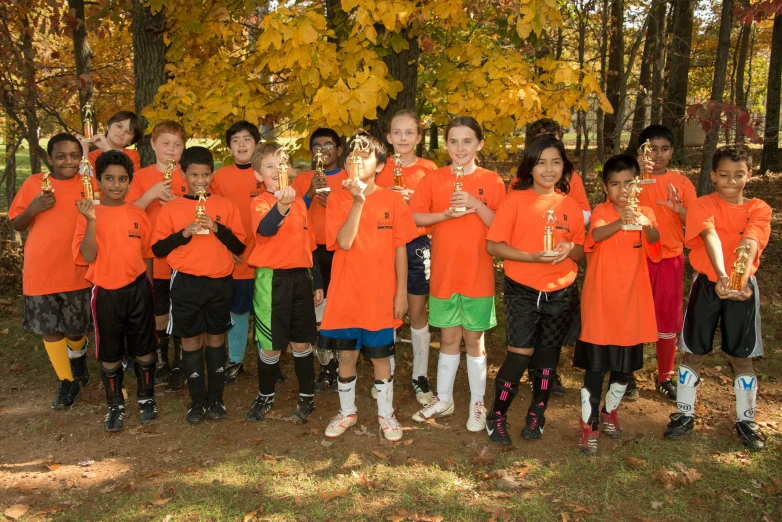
<point>340,425</point>
<point>436,408</point>
<point>390,428</point>
<point>477,419</point>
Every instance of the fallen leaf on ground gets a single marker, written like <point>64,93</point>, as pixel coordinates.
<point>52,465</point>
<point>251,515</point>
<point>565,516</point>
<point>153,473</point>
<point>363,431</point>
<point>497,513</point>
<point>158,499</point>
<point>396,518</point>
<point>109,488</point>
<point>635,461</point>
<point>665,477</point>
<point>86,463</point>
<point>221,441</point>
<point>270,458</point>
<point>433,423</point>
<point>257,442</point>
<point>484,457</point>
<point>54,509</point>
<point>450,463</point>
<point>380,455</point>
<point>657,505</point>
<point>327,443</point>
<point>4,331</point>
<point>16,511</point>
<point>522,471</point>
<point>364,480</point>
<point>334,494</point>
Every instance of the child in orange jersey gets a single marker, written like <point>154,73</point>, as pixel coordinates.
<point>56,294</point>
<point>670,197</point>
<point>288,285</point>
<point>123,129</point>
<point>238,183</point>
<point>150,191</point>
<point>404,133</point>
<point>462,282</point>
<point>617,278</point>
<point>718,225</point>
<point>113,238</point>
<point>201,253</point>
<point>541,297</point>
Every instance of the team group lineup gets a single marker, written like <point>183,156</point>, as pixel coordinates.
<point>178,254</point>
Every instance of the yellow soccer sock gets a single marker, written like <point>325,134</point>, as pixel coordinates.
<point>58,355</point>
<point>76,348</point>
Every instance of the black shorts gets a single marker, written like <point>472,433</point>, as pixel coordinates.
<point>162,288</point>
<point>739,321</point>
<point>64,312</point>
<point>325,257</point>
<point>608,358</point>
<point>243,296</point>
<point>283,307</point>
<point>124,318</point>
<point>541,320</point>
<point>200,304</point>
<point>419,252</point>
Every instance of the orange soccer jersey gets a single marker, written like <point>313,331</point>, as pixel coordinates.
<point>617,307</point>
<point>131,153</point>
<point>317,212</point>
<point>363,278</point>
<point>240,186</point>
<point>520,223</point>
<point>204,254</point>
<point>732,223</point>
<point>411,177</point>
<point>48,266</point>
<point>670,226</point>
<point>143,180</point>
<point>460,264</point>
<point>578,192</point>
<point>123,235</point>
<point>291,246</point>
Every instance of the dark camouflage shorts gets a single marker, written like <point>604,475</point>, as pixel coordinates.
<point>68,313</point>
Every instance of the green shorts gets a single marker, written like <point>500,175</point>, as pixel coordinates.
<point>471,313</point>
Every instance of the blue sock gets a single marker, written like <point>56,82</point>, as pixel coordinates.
<point>237,337</point>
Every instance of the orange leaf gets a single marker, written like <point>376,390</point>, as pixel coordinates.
<point>380,455</point>
<point>634,461</point>
<point>334,494</point>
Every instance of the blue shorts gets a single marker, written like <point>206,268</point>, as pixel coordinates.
<point>373,344</point>
<point>419,252</point>
<point>243,296</point>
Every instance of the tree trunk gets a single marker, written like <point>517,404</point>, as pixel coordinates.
<point>741,69</point>
<point>434,139</point>
<point>658,60</point>
<point>83,56</point>
<point>582,27</point>
<point>31,100</point>
<point>11,145</point>
<point>615,75</point>
<point>769,160</point>
<point>717,91</point>
<point>675,103</point>
<point>641,99</point>
<point>149,62</point>
<point>603,56</point>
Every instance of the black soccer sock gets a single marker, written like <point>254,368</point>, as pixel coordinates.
<point>177,362</point>
<point>193,365</point>
<point>504,392</point>
<point>593,382</point>
<point>542,378</point>
<point>331,367</point>
<point>145,380</point>
<point>215,367</point>
<point>513,368</point>
<point>304,364</point>
<point>267,373</point>
<point>162,347</point>
<point>112,384</point>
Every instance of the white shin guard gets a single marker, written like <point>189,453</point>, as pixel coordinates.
<point>421,340</point>
<point>447,366</point>
<point>347,397</point>
<point>476,374</point>
<point>685,390</point>
<point>614,395</point>
<point>746,388</point>
<point>586,406</point>
<point>385,398</point>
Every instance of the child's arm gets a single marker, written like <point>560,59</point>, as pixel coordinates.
<point>271,222</point>
<point>505,251</point>
<point>400,266</point>
<point>161,190</point>
<point>165,246</point>
<point>349,229</point>
<point>149,269</point>
<point>714,249</point>
<point>604,232</point>
<point>463,199</point>
<point>674,202</point>
<point>41,203</point>
<point>89,243</point>
<point>650,231</point>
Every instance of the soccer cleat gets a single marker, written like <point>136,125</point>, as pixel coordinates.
<point>588,439</point>
<point>196,412</point>
<point>631,393</point>
<point>497,428</point>
<point>114,418</point>
<point>423,390</point>
<point>557,388</point>
<point>233,371</point>
<point>162,366</point>
<point>436,408</point>
<point>477,419</point>
<point>390,428</point>
<point>115,402</point>
<point>750,435</point>
<point>326,381</point>
<point>67,393</point>
<point>147,411</point>
<point>667,389</point>
<point>260,408</point>
<point>679,426</point>
<point>79,369</point>
<point>611,426</point>
<point>339,425</point>
<point>216,409</point>
<point>176,380</point>
<point>533,427</point>
<point>304,409</point>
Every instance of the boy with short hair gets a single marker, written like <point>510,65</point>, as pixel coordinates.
<point>56,294</point>
<point>719,227</point>
<point>150,191</point>
<point>113,240</point>
<point>200,251</point>
<point>670,197</point>
<point>307,184</point>
<point>288,284</point>
<point>238,183</point>
<point>368,228</point>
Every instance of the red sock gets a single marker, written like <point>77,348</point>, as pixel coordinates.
<point>666,351</point>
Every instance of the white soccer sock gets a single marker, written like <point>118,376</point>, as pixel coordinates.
<point>392,362</point>
<point>421,341</point>
<point>347,396</point>
<point>685,391</point>
<point>586,406</point>
<point>447,366</point>
<point>614,395</point>
<point>319,311</point>
<point>476,374</point>
<point>385,397</point>
<point>746,388</point>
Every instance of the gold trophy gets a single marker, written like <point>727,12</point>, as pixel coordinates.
<point>646,177</point>
<point>458,171</point>
<point>201,209</point>
<point>282,170</point>
<point>548,233</point>
<point>46,184</point>
<point>739,267</point>
<point>319,172</point>
<point>169,170</point>
<point>633,190</point>
<point>354,160</point>
<point>88,116</point>
<point>398,181</point>
<point>85,170</point>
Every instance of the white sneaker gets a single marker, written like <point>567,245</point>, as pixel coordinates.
<point>436,408</point>
<point>477,420</point>
<point>390,428</point>
<point>423,390</point>
<point>339,425</point>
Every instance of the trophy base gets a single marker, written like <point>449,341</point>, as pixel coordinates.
<point>632,227</point>
<point>88,140</point>
<point>96,202</point>
<point>647,182</point>
<point>734,292</point>
<point>550,253</point>
<point>322,190</point>
<point>459,209</point>
<point>202,232</point>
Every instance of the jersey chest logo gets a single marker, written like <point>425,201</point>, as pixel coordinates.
<point>385,223</point>
<point>134,233</point>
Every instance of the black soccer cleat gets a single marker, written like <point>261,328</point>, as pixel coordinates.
<point>631,393</point>
<point>67,393</point>
<point>233,371</point>
<point>557,388</point>
<point>114,418</point>
<point>176,381</point>
<point>326,381</point>
<point>533,427</point>
<point>147,411</point>
<point>679,426</point>
<point>667,389</point>
<point>216,409</point>
<point>750,435</point>
<point>79,370</point>
<point>260,408</point>
<point>497,428</point>
<point>196,412</point>
<point>304,409</point>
